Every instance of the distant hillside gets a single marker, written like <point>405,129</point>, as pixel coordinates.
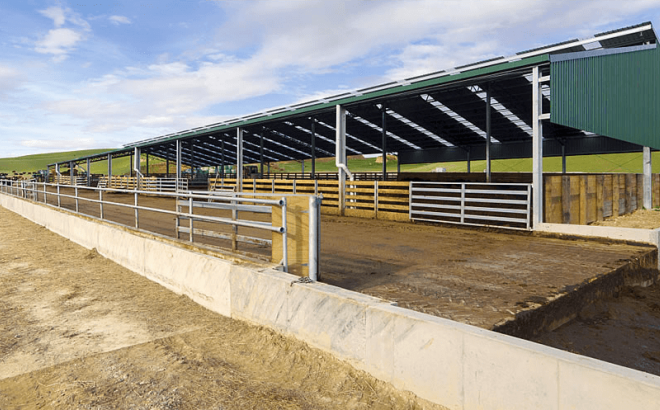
<point>32,163</point>
<point>630,163</point>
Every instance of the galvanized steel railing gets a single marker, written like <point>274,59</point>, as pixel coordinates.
<point>38,191</point>
<point>500,205</point>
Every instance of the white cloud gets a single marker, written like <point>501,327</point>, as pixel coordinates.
<point>10,78</point>
<point>117,20</point>
<point>56,13</point>
<point>58,41</point>
<point>60,144</point>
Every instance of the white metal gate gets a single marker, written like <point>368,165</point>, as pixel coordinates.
<point>472,203</point>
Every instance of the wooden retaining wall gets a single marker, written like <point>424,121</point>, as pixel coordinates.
<point>583,199</point>
<point>366,199</point>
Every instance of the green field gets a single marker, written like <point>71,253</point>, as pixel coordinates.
<point>627,163</point>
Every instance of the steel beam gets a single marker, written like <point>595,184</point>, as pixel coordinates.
<point>178,163</point>
<point>313,130</point>
<point>340,154</point>
<point>537,149</point>
<point>384,139</point>
<point>488,123</point>
<point>239,159</point>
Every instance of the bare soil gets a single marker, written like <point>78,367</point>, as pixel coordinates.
<point>79,331</point>
<point>641,219</point>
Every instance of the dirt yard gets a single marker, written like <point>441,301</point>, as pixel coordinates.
<point>475,276</point>
<point>641,219</point>
<point>78,331</point>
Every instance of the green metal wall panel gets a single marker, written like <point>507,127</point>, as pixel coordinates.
<point>614,95</point>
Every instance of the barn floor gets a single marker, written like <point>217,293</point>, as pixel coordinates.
<point>476,276</point>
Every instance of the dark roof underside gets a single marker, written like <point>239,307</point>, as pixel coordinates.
<point>428,118</point>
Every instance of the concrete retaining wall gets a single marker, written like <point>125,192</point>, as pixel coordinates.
<point>456,365</point>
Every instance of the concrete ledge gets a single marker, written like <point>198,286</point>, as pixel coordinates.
<point>449,363</point>
<point>651,236</point>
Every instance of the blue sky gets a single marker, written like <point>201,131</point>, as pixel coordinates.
<point>78,75</point>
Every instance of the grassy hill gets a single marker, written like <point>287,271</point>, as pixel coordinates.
<point>628,163</point>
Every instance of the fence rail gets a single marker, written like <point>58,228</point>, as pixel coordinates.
<point>153,184</point>
<point>501,205</point>
<point>237,203</point>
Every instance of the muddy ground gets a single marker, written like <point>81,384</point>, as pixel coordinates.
<point>475,276</point>
<point>79,331</point>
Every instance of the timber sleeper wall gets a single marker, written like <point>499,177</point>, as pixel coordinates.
<point>367,199</point>
<point>583,199</point>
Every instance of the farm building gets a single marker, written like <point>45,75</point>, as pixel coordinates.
<point>591,96</point>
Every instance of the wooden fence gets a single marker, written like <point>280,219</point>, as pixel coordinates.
<point>583,199</point>
<point>368,199</point>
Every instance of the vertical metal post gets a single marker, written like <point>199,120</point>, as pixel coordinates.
<point>178,165</point>
<point>222,160</point>
<point>72,177</point>
<point>59,199</point>
<point>537,150</point>
<point>136,166</point>
<point>462,203</point>
<point>384,140</point>
<point>488,98</point>
<point>648,182</point>
<point>398,164</point>
<point>468,160</point>
<point>167,168</point>
<point>563,157</point>
<point>57,173</point>
<point>101,203</point>
<point>89,172</point>
<point>313,148</point>
<point>285,243</point>
<point>234,228</point>
<point>109,169</point>
<point>75,194</point>
<point>137,218</point>
<point>376,199</point>
<point>190,218</point>
<point>147,170</point>
<point>239,159</point>
<point>131,162</point>
<point>261,152</point>
<point>313,263</point>
<point>340,153</point>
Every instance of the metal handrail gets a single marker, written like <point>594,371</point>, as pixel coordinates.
<point>21,188</point>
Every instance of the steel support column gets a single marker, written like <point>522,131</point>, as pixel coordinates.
<point>468,160</point>
<point>340,154</point>
<point>72,177</point>
<point>488,108</point>
<point>136,166</point>
<point>563,157</point>
<point>261,152</point>
<point>384,139</point>
<point>146,172</point>
<point>89,174</point>
<point>648,180</point>
<point>131,167</point>
<point>313,148</point>
<point>239,159</point>
<point>109,169</point>
<point>537,149</point>
<point>178,163</point>
<point>222,157</point>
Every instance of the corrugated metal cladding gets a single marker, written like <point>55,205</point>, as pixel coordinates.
<point>614,95</point>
